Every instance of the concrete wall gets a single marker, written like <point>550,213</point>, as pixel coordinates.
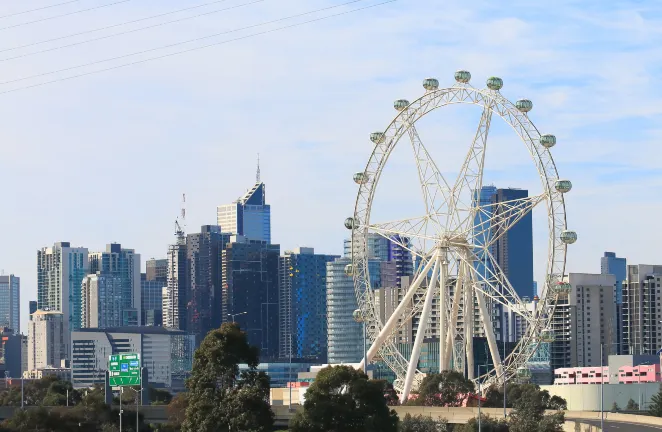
<point>586,397</point>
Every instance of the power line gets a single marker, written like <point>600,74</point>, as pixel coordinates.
<point>111,26</point>
<point>64,15</point>
<point>207,46</point>
<point>37,9</point>
<point>129,31</point>
<point>179,43</point>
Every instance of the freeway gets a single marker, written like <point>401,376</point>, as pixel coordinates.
<point>618,426</point>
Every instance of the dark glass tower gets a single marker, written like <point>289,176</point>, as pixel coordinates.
<point>250,292</point>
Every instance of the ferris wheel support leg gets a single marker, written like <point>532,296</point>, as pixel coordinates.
<point>442,308</point>
<point>420,333</point>
<point>468,315</point>
<point>489,332</point>
<point>450,338</point>
<point>393,320</point>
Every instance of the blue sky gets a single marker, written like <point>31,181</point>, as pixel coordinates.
<point>106,157</point>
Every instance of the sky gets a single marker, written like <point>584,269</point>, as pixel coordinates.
<point>106,157</point>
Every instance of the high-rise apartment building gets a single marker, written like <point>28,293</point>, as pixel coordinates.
<point>60,272</point>
<point>205,295</point>
<point>250,291</point>
<point>118,272</point>
<point>249,216</point>
<point>46,340</point>
<point>345,336</point>
<point>32,307</point>
<point>585,320</point>
<point>381,248</point>
<point>611,264</point>
<point>103,301</point>
<point>642,302</point>
<point>156,269</point>
<point>302,305</point>
<point>176,290</point>
<point>10,302</point>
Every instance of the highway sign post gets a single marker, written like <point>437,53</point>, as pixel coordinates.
<point>124,370</point>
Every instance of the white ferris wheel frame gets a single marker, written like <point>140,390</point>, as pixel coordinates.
<point>381,335</point>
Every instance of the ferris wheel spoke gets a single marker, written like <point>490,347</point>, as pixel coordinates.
<point>470,180</point>
<point>413,228</point>
<point>491,281</point>
<point>435,188</point>
<point>492,221</point>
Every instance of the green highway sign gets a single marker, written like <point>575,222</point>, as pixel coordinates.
<point>124,370</point>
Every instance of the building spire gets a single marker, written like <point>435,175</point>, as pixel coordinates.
<point>257,175</point>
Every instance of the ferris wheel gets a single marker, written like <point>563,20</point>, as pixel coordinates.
<point>456,274</point>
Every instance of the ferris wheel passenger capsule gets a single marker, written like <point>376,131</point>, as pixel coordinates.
<point>349,270</point>
<point>563,288</point>
<point>548,141</point>
<point>494,83</point>
<point>547,335</point>
<point>377,137</point>
<point>358,316</point>
<point>462,76</point>
<point>568,237</point>
<point>430,84</point>
<point>401,104</point>
<point>361,178</point>
<point>563,186</point>
<point>350,223</point>
<point>524,105</point>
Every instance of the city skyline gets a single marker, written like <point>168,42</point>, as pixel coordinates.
<point>601,103</point>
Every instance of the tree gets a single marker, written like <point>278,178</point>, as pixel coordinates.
<point>488,424</point>
<point>159,396</point>
<point>615,408</point>
<point>423,424</point>
<point>557,403</point>
<point>655,407</point>
<point>448,388</point>
<point>632,405</point>
<point>528,414</point>
<point>342,399</point>
<point>219,398</point>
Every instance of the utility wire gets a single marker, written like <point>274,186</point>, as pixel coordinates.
<point>209,45</point>
<point>64,15</point>
<point>130,31</point>
<point>38,9</point>
<point>180,43</point>
<point>112,26</point>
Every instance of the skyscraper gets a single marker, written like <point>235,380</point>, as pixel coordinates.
<point>151,299</point>
<point>302,305</point>
<point>10,302</point>
<point>46,340</point>
<point>32,305</point>
<point>60,273</point>
<point>381,248</point>
<point>345,343</point>
<point>250,291</point>
<point>117,272</point>
<point>205,295</point>
<point>176,291</point>
<point>512,251</point>
<point>249,216</point>
<point>611,264</point>
<point>642,302</point>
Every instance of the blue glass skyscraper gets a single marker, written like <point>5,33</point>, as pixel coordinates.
<point>302,305</point>
<point>249,216</point>
<point>611,264</point>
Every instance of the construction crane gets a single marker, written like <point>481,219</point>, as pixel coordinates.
<point>181,227</point>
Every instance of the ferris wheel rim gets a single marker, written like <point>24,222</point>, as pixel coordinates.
<point>554,201</point>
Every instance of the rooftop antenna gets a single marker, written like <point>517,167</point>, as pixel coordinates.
<point>257,175</point>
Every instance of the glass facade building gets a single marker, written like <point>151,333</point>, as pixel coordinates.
<point>250,291</point>
<point>10,303</point>
<point>302,305</point>
<point>611,264</point>
<point>249,216</point>
<point>151,300</point>
<point>203,259</point>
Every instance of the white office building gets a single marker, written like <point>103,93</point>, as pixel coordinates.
<point>249,216</point>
